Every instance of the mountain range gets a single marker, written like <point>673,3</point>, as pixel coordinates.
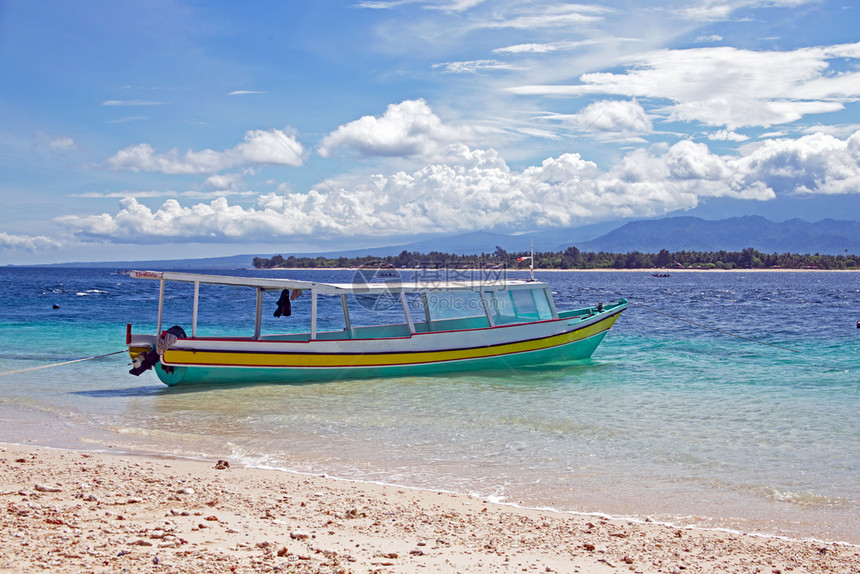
<point>827,236</point>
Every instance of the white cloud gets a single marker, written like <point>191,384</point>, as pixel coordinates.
<point>527,49</point>
<point>713,38</point>
<point>526,17</point>
<point>836,130</point>
<point>127,119</point>
<point>226,181</point>
<point>409,128</point>
<point>615,116</point>
<point>127,103</point>
<point>61,143</point>
<point>385,5</point>
<point>271,147</point>
<point>468,189</point>
<point>244,92</point>
<point>813,164</point>
<point>713,10</point>
<point>726,135</point>
<point>122,194</point>
<point>217,188</point>
<point>474,66</point>
<point>471,189</point>
<point>546,48</point>
<point>457,5</point>
<point>727,86</point>
<point>217,221</point>
<point>453,6</point>
<point>607,120</point>
<point>27,242</point>
<point>551,15</point>
<point>142,157</point>
<point>56,143</point>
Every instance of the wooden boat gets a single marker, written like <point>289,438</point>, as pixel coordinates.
<point>483,323</point>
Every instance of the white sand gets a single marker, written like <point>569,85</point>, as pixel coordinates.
<point>72,512</point>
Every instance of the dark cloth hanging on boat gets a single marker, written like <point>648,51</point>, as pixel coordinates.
<point>284,306</point>
<point>150,358</point>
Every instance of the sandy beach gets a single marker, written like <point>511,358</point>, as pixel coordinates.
<point>68,511</point>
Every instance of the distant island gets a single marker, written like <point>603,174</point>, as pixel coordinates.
<point>573,258</point>
<point>748,242</point>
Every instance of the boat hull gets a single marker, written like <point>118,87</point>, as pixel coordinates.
<point>242,361</point>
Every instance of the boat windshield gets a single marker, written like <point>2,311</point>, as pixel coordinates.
<point>454,305</point>
<point>520,305</point>
<point>506,306</point>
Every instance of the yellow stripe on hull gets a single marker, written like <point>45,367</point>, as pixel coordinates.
<point>178,357</point>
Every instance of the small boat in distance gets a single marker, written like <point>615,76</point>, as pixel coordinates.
<point>488,322</point>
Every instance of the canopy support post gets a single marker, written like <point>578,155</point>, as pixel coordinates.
<point>258,315</point>
<point>486,305</point>
<point>194,309</point>
<point>409,320</point>
<point>346,322</point>
<point>551,302</point>
<point>426,310</point>
<point>160,306</point>
<point>313,315</point>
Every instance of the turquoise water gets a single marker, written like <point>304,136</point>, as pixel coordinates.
<point>668,420</point>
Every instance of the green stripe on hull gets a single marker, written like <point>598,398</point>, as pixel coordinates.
<point>576,350</point>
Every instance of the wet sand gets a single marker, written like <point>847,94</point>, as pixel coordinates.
<point>70,512</point>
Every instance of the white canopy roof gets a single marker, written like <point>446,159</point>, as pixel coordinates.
<point>275,284</point>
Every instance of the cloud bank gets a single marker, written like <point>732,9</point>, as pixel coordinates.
<point>27,242</point>
<point>470,189</point>
<point>260,147</point>
<point>407,129</point>
<point>727,86</point>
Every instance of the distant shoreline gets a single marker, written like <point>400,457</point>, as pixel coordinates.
<point>602,270</point>
<point>147,265</point>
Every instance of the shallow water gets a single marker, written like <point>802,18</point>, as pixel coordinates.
<point>668,420</point>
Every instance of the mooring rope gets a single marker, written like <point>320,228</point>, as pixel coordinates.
<point>58,364</point>
<point>712,328</point>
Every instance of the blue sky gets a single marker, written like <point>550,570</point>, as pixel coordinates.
<point>171,129</point>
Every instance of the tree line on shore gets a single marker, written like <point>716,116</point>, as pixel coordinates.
<point>573,258</point>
